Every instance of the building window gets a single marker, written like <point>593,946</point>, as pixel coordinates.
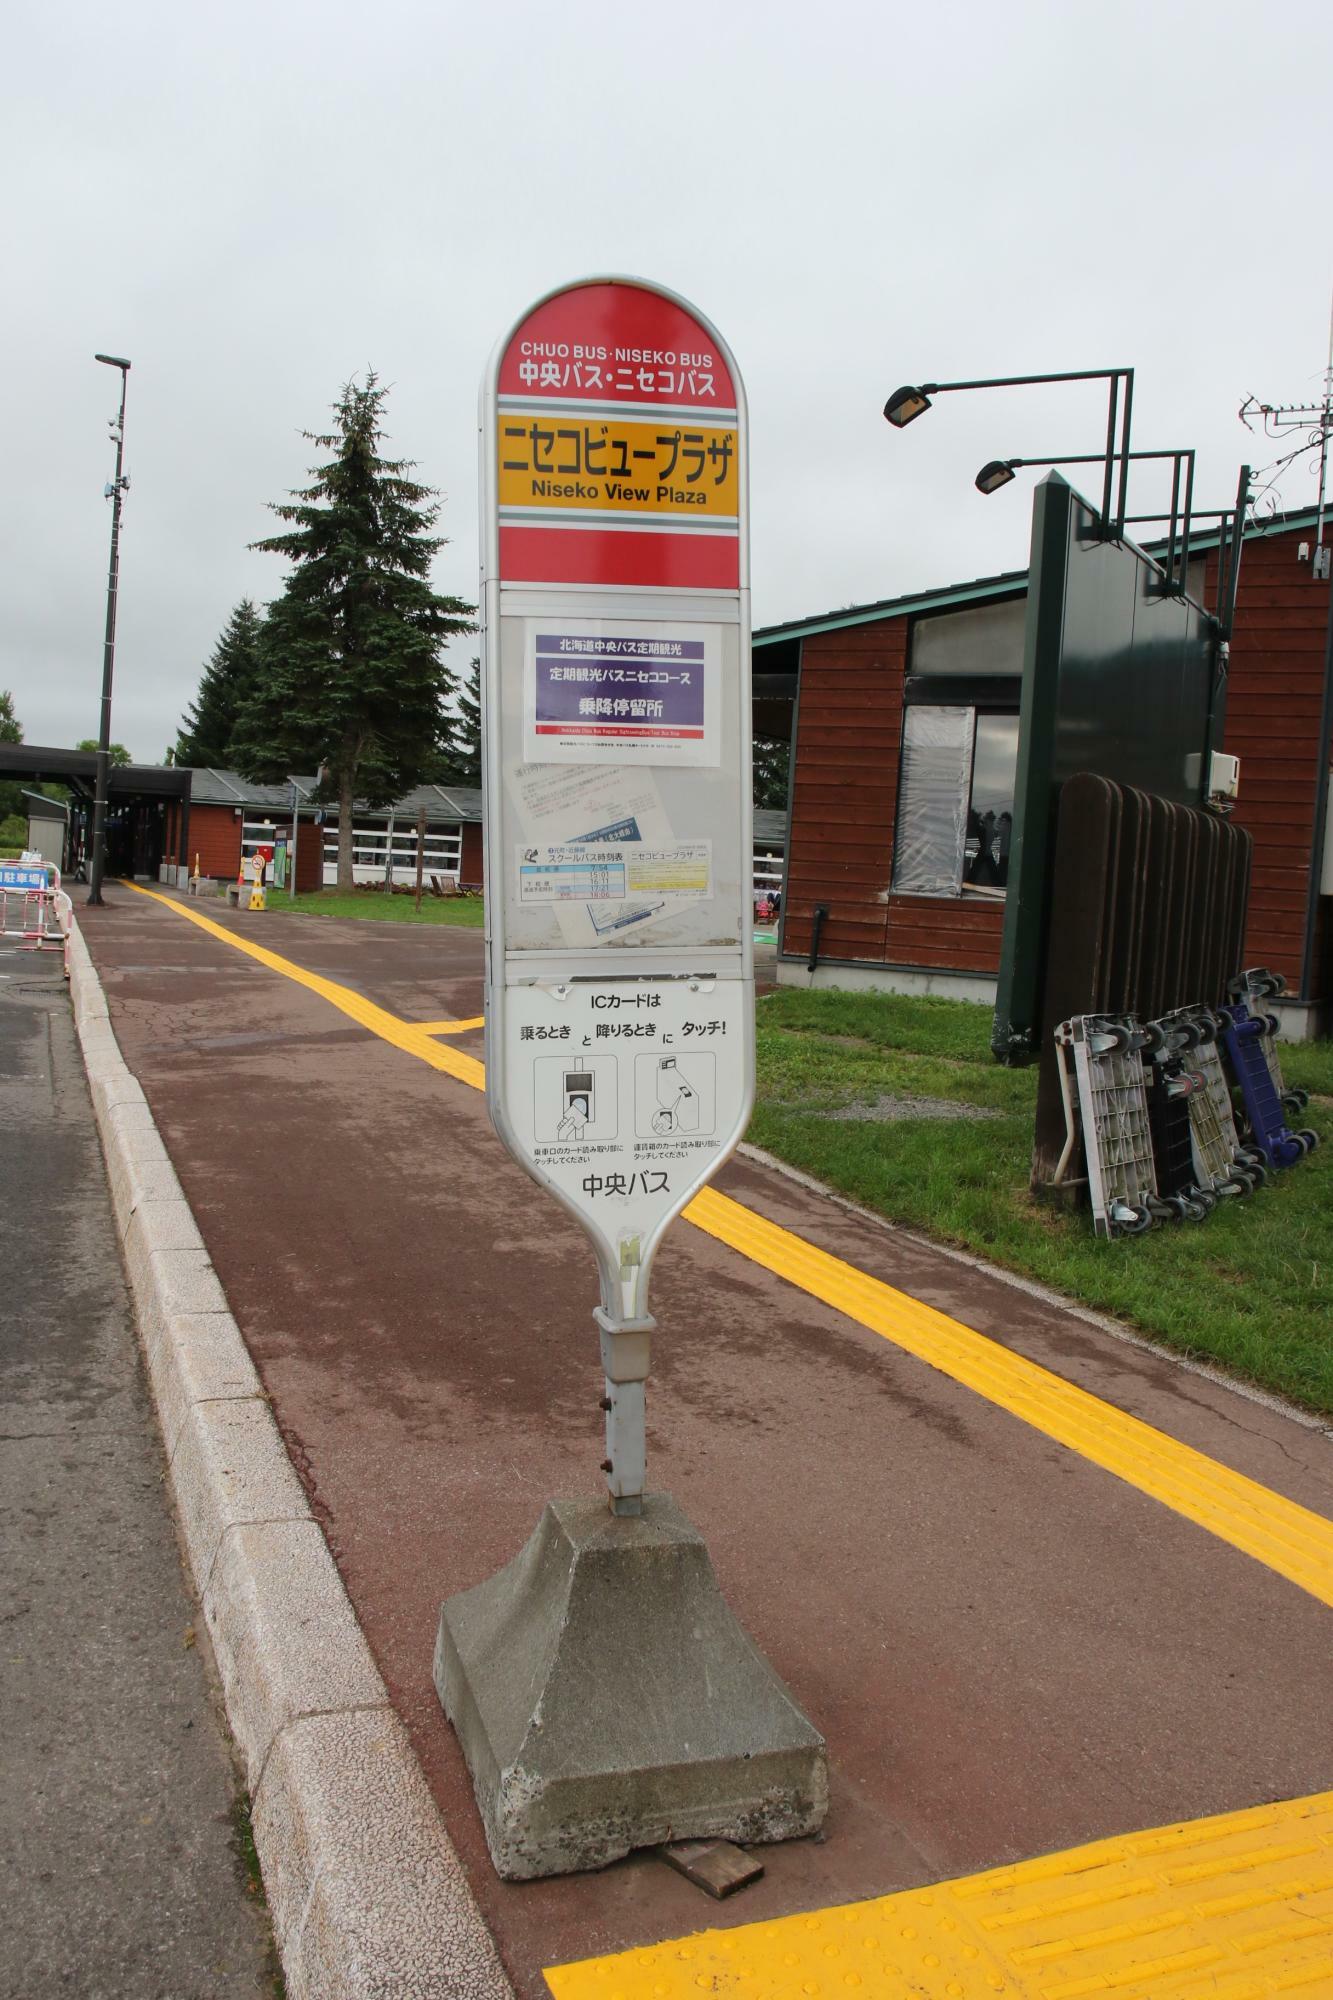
<point>990,817</point>
<point>955,801</point>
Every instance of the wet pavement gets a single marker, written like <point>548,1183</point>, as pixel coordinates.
<point>121,1879</point>
<point>1008,1649</point>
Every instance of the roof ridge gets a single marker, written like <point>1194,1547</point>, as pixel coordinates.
<point>1002,583</point>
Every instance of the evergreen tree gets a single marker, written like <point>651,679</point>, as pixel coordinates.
<point>353,674</point>
<point>229,679</point>
<point>11,731</point>
<point>772,758</point>
<point>467,730</point>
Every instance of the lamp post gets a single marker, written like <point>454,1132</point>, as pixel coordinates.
<point>999,471</point>
<point>114,493</point>
<point>1231,530</point>
<point>905,405</point>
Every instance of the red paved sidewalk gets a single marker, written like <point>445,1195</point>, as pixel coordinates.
<point>1007,1649</point>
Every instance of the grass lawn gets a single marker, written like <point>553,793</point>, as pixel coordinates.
<point>468,911</point>
<point>1251,1288</point>
<point>1309,1064</point>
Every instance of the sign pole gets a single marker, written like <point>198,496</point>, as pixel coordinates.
<point>615,628</point>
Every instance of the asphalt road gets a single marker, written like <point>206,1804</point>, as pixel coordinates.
<point>121,1878</point>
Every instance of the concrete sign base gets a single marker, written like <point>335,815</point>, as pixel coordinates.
<point>607,1699</point>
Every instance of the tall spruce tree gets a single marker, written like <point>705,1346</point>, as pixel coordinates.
<point>229,680</point>
<point>354,678</point>
<point>11,731</point>
<point>772,760</point>
<point>467,728</point>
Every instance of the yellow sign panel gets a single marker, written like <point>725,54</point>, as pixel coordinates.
<point>559,461</point>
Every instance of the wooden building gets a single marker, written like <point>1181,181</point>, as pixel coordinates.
<point>227,817</point>
<point>906,720</point>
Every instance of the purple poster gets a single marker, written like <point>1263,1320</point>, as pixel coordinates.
<point>598,694</point>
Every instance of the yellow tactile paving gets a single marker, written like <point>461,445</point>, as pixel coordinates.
<point>1238,1907</point>
<point>451,1027</point>
<point>1289,1539</point>
<point>410,1036</point>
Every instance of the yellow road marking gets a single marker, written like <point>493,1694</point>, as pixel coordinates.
<point>450,1027</point>
<point>405,1035</point>
<point>1287,1538</point>
<point>1236,1907</point>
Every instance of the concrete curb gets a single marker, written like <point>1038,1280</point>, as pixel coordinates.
<point>367,1896</point>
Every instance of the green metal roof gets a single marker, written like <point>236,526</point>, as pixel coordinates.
<point>1009,583</point>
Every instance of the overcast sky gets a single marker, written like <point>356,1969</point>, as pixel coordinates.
<point>258,201</point>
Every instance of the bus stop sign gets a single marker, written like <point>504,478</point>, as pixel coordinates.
<point>616,670</point>
<point>603,1692</point>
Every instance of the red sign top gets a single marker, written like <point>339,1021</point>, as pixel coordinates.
<point>616,343</point>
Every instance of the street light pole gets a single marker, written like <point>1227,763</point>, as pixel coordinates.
<point>115,492</point>
<point>905,405</point>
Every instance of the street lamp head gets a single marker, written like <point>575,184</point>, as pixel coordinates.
<point>996,474</point>
<point>112,360</point>
<point>906,404</point>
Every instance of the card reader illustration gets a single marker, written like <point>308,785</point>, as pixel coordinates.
<point>575,1099</point>
<point>675,1096</point>
<point>677,1099</point>
<point>577,1087</point>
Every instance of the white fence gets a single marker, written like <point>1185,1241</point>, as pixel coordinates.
<point>373,841</point>
<point>769,872</point>
<point>257,833</point>
<point>378,845</point>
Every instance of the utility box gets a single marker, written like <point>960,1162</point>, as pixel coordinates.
<point>1223,776</point>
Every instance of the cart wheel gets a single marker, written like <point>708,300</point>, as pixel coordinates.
<point>1195,1211</point>
<point>1117,1040</point>
<point>1189,1034</point>
<point>1172,1207</point>
<point>1141,1220</point>
<point>1236,1184</point>
<point>1150,1038</point>
<point>1295,1100</point>
<point>1310,1138</point>
<point>1206,1198</point>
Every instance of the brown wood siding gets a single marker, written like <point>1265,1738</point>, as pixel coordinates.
<point>844,797</point>
<point>1275,692</point>
<point>215,836</point>
<point>470,865</point>
<point>309,856</point>
<point>844,803</point>
<point>845,789</point>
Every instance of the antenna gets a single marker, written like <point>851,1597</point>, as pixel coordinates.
<point>1280,420</point>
